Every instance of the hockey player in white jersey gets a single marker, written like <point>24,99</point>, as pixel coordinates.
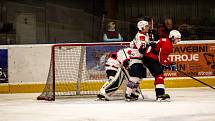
<point>139,43</point>
<point>126,63</point>
<point>115,77</point>
<point>135,69</point>
<point>142,38</point>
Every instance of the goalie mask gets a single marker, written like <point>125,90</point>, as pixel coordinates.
<point>142,25</point>
<point>175,36</point>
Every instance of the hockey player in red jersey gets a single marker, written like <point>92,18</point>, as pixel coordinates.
<point>155,56</point>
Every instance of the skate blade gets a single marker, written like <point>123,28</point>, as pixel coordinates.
<point>128,100</point>
<point>102,99</point>
<point>110,99</point>
<point>163,100</point>
<point>131,100</point>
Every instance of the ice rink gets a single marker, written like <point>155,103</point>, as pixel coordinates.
<point>187,104</point>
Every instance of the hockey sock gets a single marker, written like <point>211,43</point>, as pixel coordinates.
<point>133,83</point>
<point>159,91</point>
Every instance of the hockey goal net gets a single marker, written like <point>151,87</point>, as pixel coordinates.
<point>77,69</point>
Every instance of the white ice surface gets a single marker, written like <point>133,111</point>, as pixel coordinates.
<point>188,104</point>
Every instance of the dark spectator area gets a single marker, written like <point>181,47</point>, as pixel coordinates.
<point>68,21</point>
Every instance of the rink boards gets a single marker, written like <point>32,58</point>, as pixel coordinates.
<point>147,83</point>
<point>25,74</point>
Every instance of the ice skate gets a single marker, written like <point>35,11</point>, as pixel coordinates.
<point>134,96</point>
<point>164,97</point>
<point>102,97</point>
<point>128,98</point>
<point>131,97</point>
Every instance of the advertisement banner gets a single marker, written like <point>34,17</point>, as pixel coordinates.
<point>194,59</point>
<point>95,59</point>
<point>3,66</point>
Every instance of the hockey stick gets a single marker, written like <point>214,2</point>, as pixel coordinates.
<point>152,35</point>
<point>195,79</point>
<point>127,75</point>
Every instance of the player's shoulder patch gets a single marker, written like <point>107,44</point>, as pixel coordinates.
<point>142,38</point>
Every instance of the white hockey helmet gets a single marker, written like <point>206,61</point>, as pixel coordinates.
<point>142,24</point>
<point>175,35</point>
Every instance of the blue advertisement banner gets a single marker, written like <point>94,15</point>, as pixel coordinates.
<point>96,57</point>
<point>3,66</point>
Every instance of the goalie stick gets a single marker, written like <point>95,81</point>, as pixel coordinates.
<point>195,79</point>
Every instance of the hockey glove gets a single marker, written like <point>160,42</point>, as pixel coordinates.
<point>152,44</point>
<point>142,50</point>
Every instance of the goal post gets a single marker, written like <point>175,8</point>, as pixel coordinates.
<point>77,69</point>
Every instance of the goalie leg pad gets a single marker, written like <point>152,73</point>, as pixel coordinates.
<point>114,83</point>
<point>110,73</point>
